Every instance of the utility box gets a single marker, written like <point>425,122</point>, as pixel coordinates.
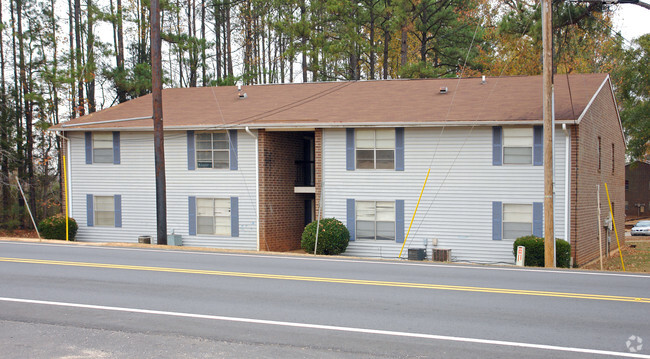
<point>441,255</point>
<point>417,254</point>
<point>174,240</point>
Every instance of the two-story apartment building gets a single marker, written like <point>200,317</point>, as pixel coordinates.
<point>248,169</point>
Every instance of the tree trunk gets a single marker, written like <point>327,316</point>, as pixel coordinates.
<point>303,41</point>
<point>90,63</point>
<point>71,71</point>
<point>121,94</point>
<point>372,43</point>
<point>18,102</point>
<point>386,42</point>
<point>228,41</point>
<point>204,76</point>
<point>4,132</point>
<point>80,87</point>
<point>404,48</point>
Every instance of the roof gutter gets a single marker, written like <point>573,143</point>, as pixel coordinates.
<point>107,121</point>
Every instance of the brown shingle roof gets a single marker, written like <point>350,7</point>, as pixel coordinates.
<point>409,102</point>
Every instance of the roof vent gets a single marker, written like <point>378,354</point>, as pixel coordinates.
<point>483,81</point>
<point>242,95</point>
<point>444,90</point>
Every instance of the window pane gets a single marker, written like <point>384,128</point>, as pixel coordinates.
<point>517,155</point>
<point>386,231</point>
<point>518,213</point>
<point>517,136</point>
<point>365,159</point>
<point>514,230</point>
<point>203,145</point>
<point>222,207</point>
<point>385,159</point>
<point>204,207</point>
<point>386,211</point>
<point>365,211</point>
<point>365,230</point>
<point>103,218</point>
<point>103,155</point>
<point>204,159</point>
<point>221,159</point>
<point>222,225</point>
<point>385,138</point>
<point>205,225</point>
<point>365,139</point>
<point>220,145</point>
<point>103,140</point>
<point>204,136</point>
<point>104,203</point>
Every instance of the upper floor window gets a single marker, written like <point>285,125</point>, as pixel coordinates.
<point>103,147</point>
<point>213,216</point>
<point>375,220</point>
<point>517,145</point>
<point>375,148</point>
<point>212,150</point>
<point>517,220</point>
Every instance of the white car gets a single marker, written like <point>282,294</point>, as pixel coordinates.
<point>642,228</point>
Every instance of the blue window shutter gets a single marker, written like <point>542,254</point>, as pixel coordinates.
<point>399,149</point>
<point>234,216</point>
<point>399,221</point>
<point>497,219</point>
<point>233,149</point>
<point>538,147</point>
<point>538,219</point>
<point>191,163</point>
<point>116,148</point>
<point>351,218</point>
<point>497,144</point>
<point>118,210</point>
<point>349,149</point>
<point>89,147</point>
<point>89,210</point>
<point>191,209</point>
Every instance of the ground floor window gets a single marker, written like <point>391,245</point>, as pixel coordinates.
<point>375,220</point>
<point>517,220</point>
<point>213,216</point>
<point>104,211</point>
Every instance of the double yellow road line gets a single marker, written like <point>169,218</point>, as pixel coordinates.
<point>332,280</point>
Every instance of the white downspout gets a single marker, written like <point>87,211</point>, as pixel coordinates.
<point>257,187</point>
<point>567,184</point>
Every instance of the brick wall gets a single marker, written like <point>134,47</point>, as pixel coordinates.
<point>638,177</point>
<point>282,212</point>
<point>601,121</point>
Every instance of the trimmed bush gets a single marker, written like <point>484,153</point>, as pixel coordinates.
<point>333,237</point>
<point>54,227</point>
<point>535,251</point>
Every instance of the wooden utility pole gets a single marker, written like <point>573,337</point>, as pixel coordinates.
<point>158,137</point>
<point>547,100</point>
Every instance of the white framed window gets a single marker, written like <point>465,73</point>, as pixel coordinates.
<point>375,148</point>
<point>104,211</point>
<point>213,216</point>
<point>518,145</point>
<point>375,220</point>
<point>103,147</point>
<point>212,150</point>
<point>517,220</point>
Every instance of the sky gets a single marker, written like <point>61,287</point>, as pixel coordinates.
<point>632,20</point>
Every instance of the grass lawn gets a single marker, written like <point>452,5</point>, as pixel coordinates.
<point>636,255</point>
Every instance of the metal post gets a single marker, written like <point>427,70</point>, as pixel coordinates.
<point>547,103</point>
<point>159,140</point>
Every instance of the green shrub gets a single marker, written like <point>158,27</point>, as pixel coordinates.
<point>54,227</point>
<point>333,237</point>
<point>535,251</point>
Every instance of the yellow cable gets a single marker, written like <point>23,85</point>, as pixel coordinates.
<point>414,212</point>
<point>65,191</point>
<point>614,223</point>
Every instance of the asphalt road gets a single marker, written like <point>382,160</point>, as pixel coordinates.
<point>102,302</point>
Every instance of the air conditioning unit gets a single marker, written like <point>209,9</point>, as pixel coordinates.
<point>441,255</point>
<point>417,254</point>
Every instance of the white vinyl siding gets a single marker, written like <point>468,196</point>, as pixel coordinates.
<point>103,147</point>
<point>375,149</point>
<point>517,220</point>
<point>212,150</point>
<point>104,211</point>
<point>456,206</point>
<point>375,220</point>
<point>517,145</point>
<point>213,216</point>
<point>134,179</point>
